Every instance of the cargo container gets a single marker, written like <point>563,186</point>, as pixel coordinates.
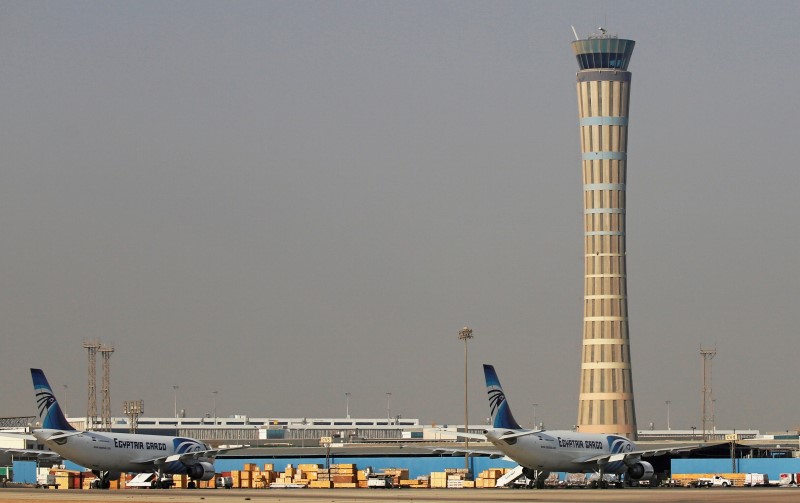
<point>756,479</point>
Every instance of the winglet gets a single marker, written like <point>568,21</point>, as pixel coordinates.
<point>498,405</point>
<point>49,411</point>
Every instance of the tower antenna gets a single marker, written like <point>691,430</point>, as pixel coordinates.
<point>575,32</point>
<point>708,400</point>
<point>91,402</point>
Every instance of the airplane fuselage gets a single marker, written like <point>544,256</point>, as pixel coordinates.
<point>560,451</point>
<point>119,452</point>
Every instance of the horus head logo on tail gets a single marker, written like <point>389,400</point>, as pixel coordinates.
<point>44,400</point>
<point>498,405</point>
<point>49,411</point>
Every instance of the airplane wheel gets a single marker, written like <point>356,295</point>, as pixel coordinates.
<point>106,484</point>
<point>191,485</point>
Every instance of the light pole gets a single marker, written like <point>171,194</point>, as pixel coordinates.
<point>465,334</point>
<point>66,400</point>
<point>534,415</point>
<point>388,410</point>
<point>347,404</point>
<point>215,406</point>
<point>175,391</point>
<point>668,402</point>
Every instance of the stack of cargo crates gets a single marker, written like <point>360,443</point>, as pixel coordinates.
<point>439,480</point>
<point>306,473</point>
<point>456,477</point>
<point>344,475</point>
<point>488,478</point>
<point>324,480</point>
<point>71,479</point>
<point>208,484</point>
<point>362,479</point>
<point>421,482</point>
<point>242,479</point>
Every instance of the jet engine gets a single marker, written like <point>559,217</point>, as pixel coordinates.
<point>641,470</point>
<point>202,471</point>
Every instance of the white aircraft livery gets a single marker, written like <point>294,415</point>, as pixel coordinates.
<point>108,454</point>
<point>541,452</point>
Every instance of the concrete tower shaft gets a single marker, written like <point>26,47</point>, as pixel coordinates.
<point>606,402</point>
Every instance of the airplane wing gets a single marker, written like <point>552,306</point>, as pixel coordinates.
<point>492,453</point>
<point>633,455</point>
<point>187,456</point>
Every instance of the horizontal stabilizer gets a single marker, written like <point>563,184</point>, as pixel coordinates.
<point>519,434</point>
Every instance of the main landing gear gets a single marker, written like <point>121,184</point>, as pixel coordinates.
<point>103,480</point>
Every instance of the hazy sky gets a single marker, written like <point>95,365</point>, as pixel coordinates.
<point>287,201</point>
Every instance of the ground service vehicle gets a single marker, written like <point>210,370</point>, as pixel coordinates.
<point>715,481</point>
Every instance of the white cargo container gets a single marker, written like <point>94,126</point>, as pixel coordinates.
<point>756,479</point>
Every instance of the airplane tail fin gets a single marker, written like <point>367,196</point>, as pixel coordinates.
<point>498,405</point>
<point>49,411</point>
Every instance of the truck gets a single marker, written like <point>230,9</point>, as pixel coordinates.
<point>45,479</point>
<point>715,481</point>
<point>224,482</point>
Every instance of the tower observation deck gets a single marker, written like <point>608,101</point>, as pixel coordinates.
<point>603,84</point>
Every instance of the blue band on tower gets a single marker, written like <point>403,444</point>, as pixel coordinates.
<point>596,156</point>
<point>604,121</point>
<point>603,186</point>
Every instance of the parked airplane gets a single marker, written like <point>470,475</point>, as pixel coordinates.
<point>541,452</point>
<point>108,454</point>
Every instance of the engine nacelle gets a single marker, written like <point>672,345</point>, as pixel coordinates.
<point>642,470</point>
<point>201,471</point>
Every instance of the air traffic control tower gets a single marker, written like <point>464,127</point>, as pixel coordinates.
<point>606,389</point>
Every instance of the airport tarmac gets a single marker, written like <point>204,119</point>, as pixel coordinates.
<point>672,495</point>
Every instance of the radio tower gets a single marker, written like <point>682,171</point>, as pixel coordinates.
<point>708,400</point>
<point>105,352</point>
<point>91,401</point>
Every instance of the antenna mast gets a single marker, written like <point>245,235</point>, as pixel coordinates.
<point>91,401</point>
<point>105,352</point>
<point>708,401</point>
